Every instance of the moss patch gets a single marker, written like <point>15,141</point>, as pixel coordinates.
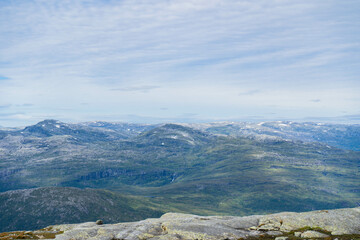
<point>41,234</point>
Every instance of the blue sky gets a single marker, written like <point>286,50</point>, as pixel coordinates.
<point>186,60</point>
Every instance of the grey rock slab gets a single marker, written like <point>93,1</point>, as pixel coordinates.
<point>187,226</point>
<point>313,234</point>
<point>274,233</point>
<point>281,238</point>
<point>196,227</point>
<point>338,222</point>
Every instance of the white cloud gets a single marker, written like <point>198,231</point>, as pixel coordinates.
<point>60,54</point>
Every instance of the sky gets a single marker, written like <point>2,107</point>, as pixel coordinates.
<point>179,60</point>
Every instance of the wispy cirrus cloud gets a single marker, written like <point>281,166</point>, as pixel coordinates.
<point>5,106</point>
<point>60,54</point>
<point>135,88</point>
<point>250,92</point>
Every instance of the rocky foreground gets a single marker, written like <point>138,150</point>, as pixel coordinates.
<point>324,224</point>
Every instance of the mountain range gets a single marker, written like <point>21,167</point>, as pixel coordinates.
<point>226,168</point>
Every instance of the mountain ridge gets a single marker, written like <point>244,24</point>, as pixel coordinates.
<point>35,208</point>
<point>186,168</point>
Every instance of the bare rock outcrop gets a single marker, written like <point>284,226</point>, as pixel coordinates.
<point>316,224</point>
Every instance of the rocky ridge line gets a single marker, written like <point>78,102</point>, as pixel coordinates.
<point>339,224</point>
<point>329,224</point>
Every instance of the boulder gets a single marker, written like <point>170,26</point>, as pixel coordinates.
<point>99,222</point>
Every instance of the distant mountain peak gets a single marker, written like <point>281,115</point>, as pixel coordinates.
<point>49,121</point>
<point>47,128</point>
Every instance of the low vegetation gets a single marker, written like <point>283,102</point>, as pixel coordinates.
<point>173,168</point>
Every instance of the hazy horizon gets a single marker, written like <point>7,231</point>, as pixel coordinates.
<point>340,120</point>
<point>179,61</point>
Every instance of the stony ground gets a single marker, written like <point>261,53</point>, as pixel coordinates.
<point>45,233</point>
<point>326,224</point>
